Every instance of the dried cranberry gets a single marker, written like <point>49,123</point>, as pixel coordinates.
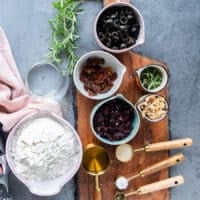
<point>113,120</point>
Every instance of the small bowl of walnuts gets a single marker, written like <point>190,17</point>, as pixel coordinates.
<point>98,75</point>
<point>153,107</point>
<point>115,120</point>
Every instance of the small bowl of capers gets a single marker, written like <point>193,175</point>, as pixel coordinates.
<point>152,78</point>
<point>119,27</point>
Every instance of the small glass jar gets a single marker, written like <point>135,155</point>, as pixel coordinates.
<point>44,79</point>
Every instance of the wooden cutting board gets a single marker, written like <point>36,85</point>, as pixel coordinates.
<point>148,133</point>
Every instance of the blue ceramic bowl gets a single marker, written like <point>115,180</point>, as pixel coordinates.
<point>135,122</point>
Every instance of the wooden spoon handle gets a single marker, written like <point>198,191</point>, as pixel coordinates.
<point>97,195</point>
<point>167,183</point>
<point>163,164</point>
<point>173,144</point>
<point>107,2</point>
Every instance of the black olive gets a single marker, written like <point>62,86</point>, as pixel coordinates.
<point>108,35</point>
<point>115,48</point>
<point>114,15</point>
<point>123,27</point>
<point>101,36</point>
<point>130,41</point>
<point>130,17</point>
<point>124,36</point>
<point>115,35</point>
<point>106,17</point>
<point>122,12</point>
<point>136,26</point>
<point>116,23</point>
<point>134,29</point>
<point>123,45</point>
<point>128,11</point>
<point>107,42</point>
<point>123,19</point>
<point>108,21</point>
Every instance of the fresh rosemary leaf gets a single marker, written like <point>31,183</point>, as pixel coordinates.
<point>64,32</point>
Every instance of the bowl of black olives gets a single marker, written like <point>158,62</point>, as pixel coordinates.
<point>119,27</point>
<point>115,120</point>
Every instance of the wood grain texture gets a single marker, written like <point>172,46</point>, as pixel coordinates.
<point>148,133</point>
<point>107,2</point>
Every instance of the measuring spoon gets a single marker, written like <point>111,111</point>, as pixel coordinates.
<point>122,182</point>
<point>164,184</point>
<point>173,144</point>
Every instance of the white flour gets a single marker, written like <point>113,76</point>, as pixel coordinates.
<point>44,149</point>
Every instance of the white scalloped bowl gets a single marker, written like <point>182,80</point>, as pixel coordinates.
<point>44,187</point>
<point>110,60</point>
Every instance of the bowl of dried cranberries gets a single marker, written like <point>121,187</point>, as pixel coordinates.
<point>115,120</point>
<point>98,75</point>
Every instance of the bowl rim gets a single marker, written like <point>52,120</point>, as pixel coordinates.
<point>141,36</point>
<point>146,118</point>
<point>29,182</point>
<point>99,53</point>
<point>124,140</point>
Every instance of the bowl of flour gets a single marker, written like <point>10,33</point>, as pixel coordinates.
<point>44,152</point>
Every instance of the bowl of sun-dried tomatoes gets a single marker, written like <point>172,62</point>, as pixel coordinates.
<point>98,75</point>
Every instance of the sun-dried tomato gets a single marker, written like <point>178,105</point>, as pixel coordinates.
<point>97,78</point>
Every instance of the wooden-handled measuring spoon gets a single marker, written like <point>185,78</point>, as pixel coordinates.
<point>122,182</point>
<point>173,144</point>
<point>164,184</point>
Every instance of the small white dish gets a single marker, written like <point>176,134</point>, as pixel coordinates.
<point>110,60</point>
<point>160,69</point>
<point>151,109</point>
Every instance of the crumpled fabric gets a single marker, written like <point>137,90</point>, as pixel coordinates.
<point>15,102</point>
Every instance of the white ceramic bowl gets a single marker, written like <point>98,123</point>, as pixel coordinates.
<point>152,107</point>
<point>163,71</point>
<point>141,37</point>
<point>46,187</point>
<point>110,60</point>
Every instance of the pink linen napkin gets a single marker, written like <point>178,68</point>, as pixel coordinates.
<point>15,103</point>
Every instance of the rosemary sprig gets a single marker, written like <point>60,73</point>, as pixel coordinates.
<point>64,32</point>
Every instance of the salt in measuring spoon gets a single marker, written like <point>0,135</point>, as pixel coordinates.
<point>160,185</point>
<point>122,182</point>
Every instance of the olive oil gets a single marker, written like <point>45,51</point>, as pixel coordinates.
<point>95,160</point>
